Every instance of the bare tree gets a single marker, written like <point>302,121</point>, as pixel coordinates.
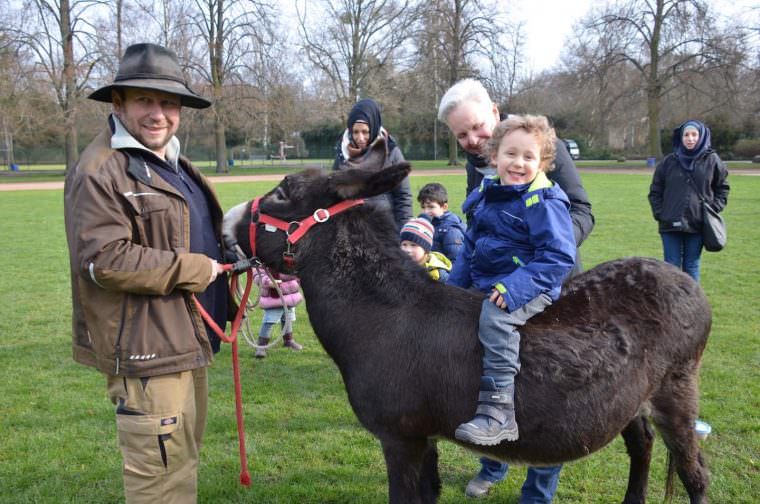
<point>61,38</point>
<point>272,87</point>
<point>10,85</point>
<point>507,62</point>
<point>114,28</point>
<point>713,86</point>
<point>118,8</point>
<point>231,30</point>
<point>600,73</point>
<point>460,32</point>
<point>350,41</point>
<point>664,38</point>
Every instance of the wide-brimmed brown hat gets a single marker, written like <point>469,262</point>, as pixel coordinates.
<point>150,66</point>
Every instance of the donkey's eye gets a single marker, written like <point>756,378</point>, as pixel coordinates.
<point>279,194</point>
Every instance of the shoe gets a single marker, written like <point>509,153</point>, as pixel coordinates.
<point>494,420</point>
<point>288,341</point>
<point>478,487</point>
<point>261,352</point>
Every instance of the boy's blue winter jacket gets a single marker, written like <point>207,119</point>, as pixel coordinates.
<point>449,234</point>
<point>520,241</point>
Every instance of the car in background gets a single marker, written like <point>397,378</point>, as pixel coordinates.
<point>572,148</point>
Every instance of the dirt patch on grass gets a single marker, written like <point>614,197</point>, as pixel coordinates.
<point>229,179</point>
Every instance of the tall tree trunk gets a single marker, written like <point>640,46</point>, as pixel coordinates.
<point>654,87</point>
<point>216,54</point>
<point>458,59</point>
<point>69,86</point>
<point>653,114</point>
<point>602,136</point>
<point>8,142</point>
<point>221,148</point>
<point>72,139</point>
<point>453,159</point>
<point>119,9</point>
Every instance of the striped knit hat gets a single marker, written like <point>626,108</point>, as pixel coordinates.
<point>419,231</point>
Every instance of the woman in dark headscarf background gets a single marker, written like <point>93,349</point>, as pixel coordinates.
<point>691,173</point>
<point>365,128</point>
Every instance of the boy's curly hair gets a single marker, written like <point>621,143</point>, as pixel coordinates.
<point>434,192</point>
<point>535,125</point>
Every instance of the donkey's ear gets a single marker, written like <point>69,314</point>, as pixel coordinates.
<point>387,179</point>
<point>374,158</point>
<point>351,184</point>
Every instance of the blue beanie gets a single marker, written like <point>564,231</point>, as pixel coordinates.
<point>419,231</point>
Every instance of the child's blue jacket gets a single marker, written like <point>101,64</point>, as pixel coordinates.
<point>520,241</point>
<point>449,234</point>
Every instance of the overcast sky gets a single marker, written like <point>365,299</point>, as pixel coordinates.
<point>549,22</point>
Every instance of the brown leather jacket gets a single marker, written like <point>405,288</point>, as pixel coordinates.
<point>132,276</point>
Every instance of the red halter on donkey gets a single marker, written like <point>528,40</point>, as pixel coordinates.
<point>294,231</point>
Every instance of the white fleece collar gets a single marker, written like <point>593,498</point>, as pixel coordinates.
<point>347,139</point>
<point>123,139</point>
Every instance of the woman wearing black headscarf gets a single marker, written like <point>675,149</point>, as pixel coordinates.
<point>691,173</point>
<point>365,129</point>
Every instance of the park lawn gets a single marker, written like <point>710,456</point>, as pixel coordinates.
<point>250,167</point>
<point>57,436</point>
<point>56,173</point>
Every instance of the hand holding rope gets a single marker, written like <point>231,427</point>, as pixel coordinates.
<point>246,265</point>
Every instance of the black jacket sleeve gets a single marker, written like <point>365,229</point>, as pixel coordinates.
<point>473,178</point>
<point>657,188</point>
<point>719,184</point>
<point>565,174</point>
<point>401,196</point>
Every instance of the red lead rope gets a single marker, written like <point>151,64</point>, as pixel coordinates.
<point>294,231</point>
<point>245,477</point>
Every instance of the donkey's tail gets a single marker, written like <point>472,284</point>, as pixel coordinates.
<point>670,478</point>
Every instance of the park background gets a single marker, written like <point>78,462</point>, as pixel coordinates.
<point>289,71</point>
<point>626,72</point>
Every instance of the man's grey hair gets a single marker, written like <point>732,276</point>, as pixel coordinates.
<point>464,90</point>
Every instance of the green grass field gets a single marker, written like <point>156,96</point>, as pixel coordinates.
<point>57,432</point>
<point>55,172</point>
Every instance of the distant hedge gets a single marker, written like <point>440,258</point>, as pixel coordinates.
<point>747,148</point>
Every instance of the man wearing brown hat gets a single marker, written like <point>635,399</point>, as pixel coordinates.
<point>144,234</point>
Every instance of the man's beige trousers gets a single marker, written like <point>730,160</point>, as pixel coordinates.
<point>160,422</point>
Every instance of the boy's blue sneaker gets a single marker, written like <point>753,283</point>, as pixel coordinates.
<point>494,419</point>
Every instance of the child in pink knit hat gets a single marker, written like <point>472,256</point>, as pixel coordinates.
<point>278,309</point>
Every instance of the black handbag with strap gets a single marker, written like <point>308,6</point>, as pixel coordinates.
<point>714,235</point>
<point>713,229</point>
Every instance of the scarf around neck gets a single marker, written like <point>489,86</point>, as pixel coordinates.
<point>368,112</point>
<point>686,157</point>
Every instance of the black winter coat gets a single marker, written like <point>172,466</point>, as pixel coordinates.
<point>676,202</point>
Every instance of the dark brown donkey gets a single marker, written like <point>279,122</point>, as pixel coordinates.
<point>620,348</point>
